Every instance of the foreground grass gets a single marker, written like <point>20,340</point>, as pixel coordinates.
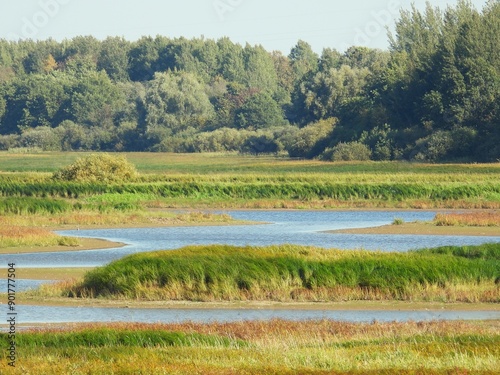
<point>297,273</point>
<point>275,347</point>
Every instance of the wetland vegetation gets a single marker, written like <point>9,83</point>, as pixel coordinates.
<point>32,203</point>
<point>296,273</point>
<point>432,97</point>
<point>273,347</point>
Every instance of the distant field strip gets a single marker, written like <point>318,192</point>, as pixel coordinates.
<point>256,190</point>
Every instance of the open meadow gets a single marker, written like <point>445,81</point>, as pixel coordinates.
<point>239,181</point>
<point>33,203</point>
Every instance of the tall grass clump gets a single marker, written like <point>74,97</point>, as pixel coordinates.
<point>29,205</point>
<point>100,167</point>
<point>291,272</point>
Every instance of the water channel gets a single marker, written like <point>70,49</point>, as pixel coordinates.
<point>296,227</point>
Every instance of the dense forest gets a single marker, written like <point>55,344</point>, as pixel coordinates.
<point>433,96</point>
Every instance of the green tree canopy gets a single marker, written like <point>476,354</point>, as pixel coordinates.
<point>177,101</point>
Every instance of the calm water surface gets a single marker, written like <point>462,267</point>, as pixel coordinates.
<point>48,314</point>
<point>296,227</point>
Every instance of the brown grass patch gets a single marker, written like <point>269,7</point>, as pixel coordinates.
<point>475,219</point>
<point>16,236</point>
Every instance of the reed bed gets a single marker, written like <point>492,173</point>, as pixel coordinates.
<point>273,347</point>
<point>475,219</point>
<point>28,205</point>
<point>298,273</point>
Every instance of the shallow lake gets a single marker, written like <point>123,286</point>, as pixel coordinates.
<point>296,227</point>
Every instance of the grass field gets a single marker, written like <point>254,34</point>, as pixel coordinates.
<point>275,347</point>
<point>231,164</point>
<point>236,181</point>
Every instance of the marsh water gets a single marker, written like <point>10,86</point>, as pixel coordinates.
<point>294,227</point>
<point>279,227</point>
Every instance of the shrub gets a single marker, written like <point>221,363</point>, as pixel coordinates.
<point>310,140</point>
<point>350,151</point>
<point>98,168</point>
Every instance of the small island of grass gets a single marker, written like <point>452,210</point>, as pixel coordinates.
<point>297,273</point>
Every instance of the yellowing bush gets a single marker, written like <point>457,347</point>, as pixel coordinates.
<point>100,167</point>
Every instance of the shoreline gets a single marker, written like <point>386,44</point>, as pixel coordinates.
<point>423,229</point>
<point>85,244</point>
<point>356,305</point>
<point>89,243</point>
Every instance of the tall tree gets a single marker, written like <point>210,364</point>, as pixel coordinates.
<point>176,101</point>
<point>304,60</point>
<point>260,111</point>
<point>113,58</point>
<point>259,69</point>
<point>95,100</point>
<point>231,64</point>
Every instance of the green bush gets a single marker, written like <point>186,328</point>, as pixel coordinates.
<point>352,151</point>
<point>98,168</point>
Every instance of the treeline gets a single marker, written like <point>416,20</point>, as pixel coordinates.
<point>434,96</point>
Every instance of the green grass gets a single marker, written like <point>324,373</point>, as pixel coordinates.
<point>220,163</point>
<point>92,338</point>
<point>28,205</point>
<point>290,272</point>
<point>228,180</point>
<point>276,190</point>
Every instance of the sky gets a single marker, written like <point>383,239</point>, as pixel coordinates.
<point>276,25</point>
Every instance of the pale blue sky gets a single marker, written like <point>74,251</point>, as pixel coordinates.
<point>277,25</point>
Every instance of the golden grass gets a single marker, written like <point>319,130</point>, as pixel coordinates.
<point>282,347</point>
<point>17,236</point>
<point>297,204</point>
<point>483,292</point>
<point>97,219</point>
<point>476,219</point>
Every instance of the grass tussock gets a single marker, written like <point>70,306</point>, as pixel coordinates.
<point>298,273</point>
<point>17,236</point>
<point>273,347</point>
<point>475,219</point>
